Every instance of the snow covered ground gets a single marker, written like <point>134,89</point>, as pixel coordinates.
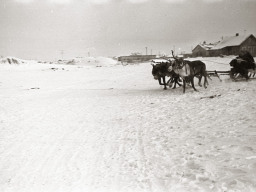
<point>83,128</point>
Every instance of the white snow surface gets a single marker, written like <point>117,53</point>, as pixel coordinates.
<point>66,128</point>
<point>90,61</point>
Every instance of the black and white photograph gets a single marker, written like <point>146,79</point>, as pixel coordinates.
<point>127,96</point>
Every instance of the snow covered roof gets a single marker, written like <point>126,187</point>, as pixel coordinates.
<point>231,41</point>
<point>207,46</point>
<point>159,60</point>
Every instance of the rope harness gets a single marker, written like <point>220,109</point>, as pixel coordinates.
<point>181,65</point>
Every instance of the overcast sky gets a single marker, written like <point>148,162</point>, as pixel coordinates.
<point>41,29</point>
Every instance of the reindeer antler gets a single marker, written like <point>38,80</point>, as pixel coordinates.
<point>173,55</point>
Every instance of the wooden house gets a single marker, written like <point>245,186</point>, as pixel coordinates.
<point>234,44</point>
<point>227,46</point>
<point>202,50</point>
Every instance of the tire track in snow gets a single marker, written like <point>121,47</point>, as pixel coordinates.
<point>144,177</point>
<point>132,164</point>
<point>135,131</point>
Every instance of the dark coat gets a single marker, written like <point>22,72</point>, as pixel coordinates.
<point>241,66</point>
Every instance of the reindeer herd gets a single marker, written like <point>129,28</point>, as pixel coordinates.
<point>180,70</point>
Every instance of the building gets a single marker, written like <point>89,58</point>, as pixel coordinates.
<point>202,50</point>
<point>187,55</point>
<point>234,44</point>
<point>136,58</point>
<point>227,46</point>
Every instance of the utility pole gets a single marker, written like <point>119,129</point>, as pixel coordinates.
<point>151,51</point>
<point>146,50</point>
<point>62,53</point>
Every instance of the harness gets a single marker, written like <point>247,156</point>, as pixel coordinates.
<point>181,65</point>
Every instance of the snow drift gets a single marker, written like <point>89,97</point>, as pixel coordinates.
<point>11,60</point>
<point>90,61</point>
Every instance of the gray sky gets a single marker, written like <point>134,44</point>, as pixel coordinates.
<point>40,29</point>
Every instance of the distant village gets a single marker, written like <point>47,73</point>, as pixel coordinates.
<point>231,45</point>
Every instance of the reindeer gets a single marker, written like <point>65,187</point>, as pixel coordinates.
<point>160,71</point>
<point>187,70</point>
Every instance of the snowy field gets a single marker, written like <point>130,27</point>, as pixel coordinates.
<point>101,127</point>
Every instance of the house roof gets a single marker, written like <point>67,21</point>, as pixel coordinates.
<point>159,60</point>
<point>205,46</point>
<point>231,41</point>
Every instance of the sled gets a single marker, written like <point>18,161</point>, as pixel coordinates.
<point>237,76</point>
<point>233,76</point>
<point>216,73</point>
